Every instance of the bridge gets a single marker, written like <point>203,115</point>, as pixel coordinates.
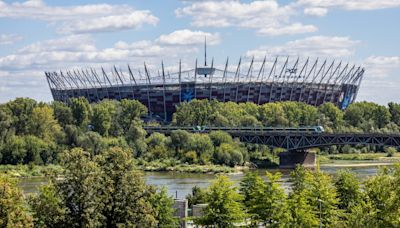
<point>294,142</point>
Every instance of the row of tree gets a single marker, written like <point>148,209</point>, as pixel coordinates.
<point>32,132</point>
<point>101,191</point>
<point>314,199</point>
<point>361,116</point>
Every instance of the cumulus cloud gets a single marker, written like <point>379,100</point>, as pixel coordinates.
<point>382,66</point>
<point>311,46</point>
<point>315,11</point>
<point>296,28</point>
<point>188,37</point>
<point>267,17</point>
<point>352,4</point>
<point>81,18</point>
<point>6,39</point>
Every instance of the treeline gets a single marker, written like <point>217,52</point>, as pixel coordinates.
<point>101,191</point>
<point>358,117</point>
<point>36,133</point>
<point>315,199</point>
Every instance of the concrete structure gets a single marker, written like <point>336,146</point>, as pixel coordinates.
<point>197,210</point>
<point>281,79</point>
<point>289,160</point>
<point>181,211</point>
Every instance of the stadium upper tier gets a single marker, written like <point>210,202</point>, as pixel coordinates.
<point>282,79</point>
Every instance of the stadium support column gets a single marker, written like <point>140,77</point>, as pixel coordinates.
<point>180,81</point>
<point>224,76</point>
<point>165,107</point>
<point>324,74</point>
<point>313,80</point>
<point>273,78</point>
<point>295,82</point>
<point>237,74</point>
<point>249,75</point>
<point>211,78</point>
<point>261,72</point>
<point>306,78</point>
<point>290,159</point>
<point>336,81</point>
<point>195,79</point>
<point>148,89</point>
<point>48,82</point>
<point>106,78</point>
<point>358,84</point>
<point>283,71</point>
<point>329,79</point>
<point>132,78</point>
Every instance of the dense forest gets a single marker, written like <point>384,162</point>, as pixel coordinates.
<point>37,133</point>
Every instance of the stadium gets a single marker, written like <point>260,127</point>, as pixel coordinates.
<point>280,79</point>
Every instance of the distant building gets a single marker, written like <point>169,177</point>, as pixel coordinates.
<point>312,82</point>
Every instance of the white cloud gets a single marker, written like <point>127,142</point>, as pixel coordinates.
<point>110,23</point>
<point>316,11</point>
<point>352,4</point>
<point>267,17</point>
<point>382,66</point>
<point>6,39</point>
<point>81,18</point>
<point>314,46</point>
<point>188,37</point>
<point>296,28</point>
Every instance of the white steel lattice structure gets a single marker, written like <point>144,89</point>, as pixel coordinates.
<point>283,79</point>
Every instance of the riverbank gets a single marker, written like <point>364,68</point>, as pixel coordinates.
<point>24,171</point>
<point>358,160</point>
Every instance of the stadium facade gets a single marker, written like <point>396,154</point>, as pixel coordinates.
<point>283,79</point>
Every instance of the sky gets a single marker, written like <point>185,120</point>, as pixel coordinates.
<point>38,36</point>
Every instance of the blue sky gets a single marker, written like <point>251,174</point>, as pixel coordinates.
<point>38,36</point>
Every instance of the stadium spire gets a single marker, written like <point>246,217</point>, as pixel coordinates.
<point>205,50</point>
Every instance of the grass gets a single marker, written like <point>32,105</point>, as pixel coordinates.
<point>29,170</point>
<point>364,157</point>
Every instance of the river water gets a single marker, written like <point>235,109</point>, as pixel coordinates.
<point>180,184</point>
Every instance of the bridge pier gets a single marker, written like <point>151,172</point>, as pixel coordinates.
<point>290,159</point>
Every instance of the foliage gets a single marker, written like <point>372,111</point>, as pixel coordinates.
<point>224,208</point>
<point>13,212</point>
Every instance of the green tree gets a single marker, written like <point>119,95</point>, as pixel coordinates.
<point>224,208</point>
<point>196,112</point>
<point>272,114</point>
<point>381,116</point>
<point>348,190</point>
<point>13,211</point>
<point>81,111</point>
<point>333,113</point>
<point>80,189</point>
<point>198,196</point>
<point>21,111</point>
<point>125,196</point>
<point>163,207</point>
<point>394,109</point>
<point>62,113</point>
<point>48,208</point>
<point>267,203</point>
<point>131,112</point>
<point>43,124</point>
<point>103,113</point>
<point>202,144</point>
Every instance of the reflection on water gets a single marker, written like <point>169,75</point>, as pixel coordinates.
<point>180,184</point>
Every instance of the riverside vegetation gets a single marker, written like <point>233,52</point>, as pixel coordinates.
<point>107,191</point>
<point>98,149</point>
<point>34,133</point>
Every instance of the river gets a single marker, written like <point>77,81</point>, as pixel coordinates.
<point>180,184</point>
